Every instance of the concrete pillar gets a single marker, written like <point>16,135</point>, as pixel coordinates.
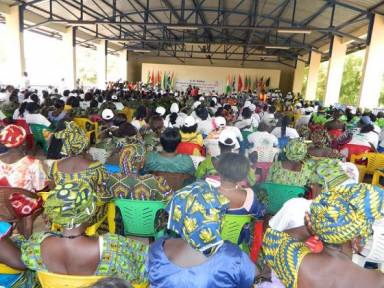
<point>124,61</point>
<point>298,77</point>
<point>15,40</point>
<point>373,68</point>
<point>314,67</point>
<point>335,71</point>
<point>102,63</point>
<point>69,41</point>
<point>134,68</point>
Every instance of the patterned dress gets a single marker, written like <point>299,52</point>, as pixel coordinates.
<point>279,175</point>
<point>120,257</point>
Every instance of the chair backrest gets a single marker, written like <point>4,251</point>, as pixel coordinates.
<point>139,216</point>
<point>376,254</point>
<point>7,212</point>
<point>278,194</point>
<point>266,154</point>
<point>375,161</point>
<point>175,180</point>
<point>4,269</point>
<point>53,280</point>
<point>188,148</point>
<point>38,132</point>
<point>232,226</point>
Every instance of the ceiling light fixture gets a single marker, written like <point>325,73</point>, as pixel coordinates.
<point>277,47</point>
<point>142,51</point>
<point>172,27</point>
<point>294,31</point>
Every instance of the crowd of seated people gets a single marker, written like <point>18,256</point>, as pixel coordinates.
<point>199,156</point>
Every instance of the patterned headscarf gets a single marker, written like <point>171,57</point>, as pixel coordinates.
<point>284,254</point>
<point>320,138</point>
<point>71,204</point>
<point>346,212</point>
<point>131,158</point>
<point>74,139</point>
<point>329,173</point>
<point>12,136</point>
<point>296,150</point>
<point>195,213</point>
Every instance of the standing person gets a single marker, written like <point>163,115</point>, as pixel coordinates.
<point>26,83</point>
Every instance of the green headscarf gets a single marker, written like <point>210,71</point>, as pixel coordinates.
<point>329,173</point>
<point>71,204</point>
<point>346,212</point>
<point>296,150</point>
<point>74,139</point>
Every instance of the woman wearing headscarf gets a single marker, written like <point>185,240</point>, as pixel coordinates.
<point>130,185</point>
<point>198,257</point>
<point>341,219</point>
<point>74,165</point>
<point>321,146</point>
<point>191,140</point>
<point>295,170</point>
<point>72,205</point>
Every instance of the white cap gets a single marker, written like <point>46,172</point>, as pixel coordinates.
<point>174,108</point>
<point>228,138</point>
<point>196,104</point>
<point>107,114</point>
<point>252,107</point>
<point>247,104</point>
<point>298,104</point>
<point>214,99</point>
<point>202,98</point>
<point>160,110</point>
<point>114,97</point>
<point>309,109</point>
<point>189,121</point>
<point>176,94</point>
<point>220,121</point>
<point>235,109</point>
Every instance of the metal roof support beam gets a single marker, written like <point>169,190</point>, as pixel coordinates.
<point>202,18</point>
<point>173,11</point>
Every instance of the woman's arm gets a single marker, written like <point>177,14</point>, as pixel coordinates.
<point>10,254</point>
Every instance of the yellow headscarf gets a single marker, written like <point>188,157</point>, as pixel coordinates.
<point>74,139</point>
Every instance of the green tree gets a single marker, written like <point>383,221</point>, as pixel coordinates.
<point>322,81</point>
<point>350,86</point>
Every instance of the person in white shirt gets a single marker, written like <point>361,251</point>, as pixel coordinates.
<point>367,135</point>
<point>304,119</point>
<point>263,139</point>
<point>205,124</point>
<point>284,130</point>
<point>269,116</point>
<point>175,118</point>
<point>33,117</point>
<point>247,121</point>
<point>118,104</point>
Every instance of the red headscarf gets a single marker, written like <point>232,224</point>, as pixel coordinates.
<point>12,136</point>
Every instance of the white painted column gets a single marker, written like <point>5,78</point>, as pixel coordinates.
<point>373,68</point>
<point>15,43</point>
<point>335,71</point>
<point>298,77</point>
<point>314,67</point>
<point>124,61</point>
<point>69,41</point>
<point>102,63</point>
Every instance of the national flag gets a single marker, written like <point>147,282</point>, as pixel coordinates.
<point>158,77</point>
<point>168,81</point>
<point>239,84</point>
<point>173,81</point>
<point>228,85</point>
<point>164,81</point>
<point>153,78</point>
<point>268,82</point>
<point>148,77</point>
<point>234,83</point>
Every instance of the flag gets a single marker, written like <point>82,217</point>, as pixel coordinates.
<point>268,82</point>
<point>234,83</point>
<point>255,84</point>
<point>173,81</point>
<point>168,86</point>
<point>228,86</point>
<point>158,77</point>
<point>164,81</point>
<point>248,84</point>
<point>148,77</point>
<point>153,78</point>
<point>239,84</point>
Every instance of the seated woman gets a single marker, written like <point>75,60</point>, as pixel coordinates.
<point>58,114</point>
<point>169,160</point>
<point>108,149</point>
<point>335,126</point>
<point>321,146</point>
<point>72,143</point>
<point>191,140</point>
<point>366,136</point>
<point>227,143</point>
<point>295,170</point>
<point>199,257</point>
<point>130,185</point>
<point>151,135</point>
<point>33,115</point>
<point>72,205</point>
<point>141,115</point>
<point>16,168</point>
<point>342,219</point>
<point>284,130</point>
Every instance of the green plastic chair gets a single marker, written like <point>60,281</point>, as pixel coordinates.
<point>139,216</point>
<point>278,194</point>
<point>38,135</point>
<point>232,226</point>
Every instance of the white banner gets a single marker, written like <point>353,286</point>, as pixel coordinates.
<point>204,86</point>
